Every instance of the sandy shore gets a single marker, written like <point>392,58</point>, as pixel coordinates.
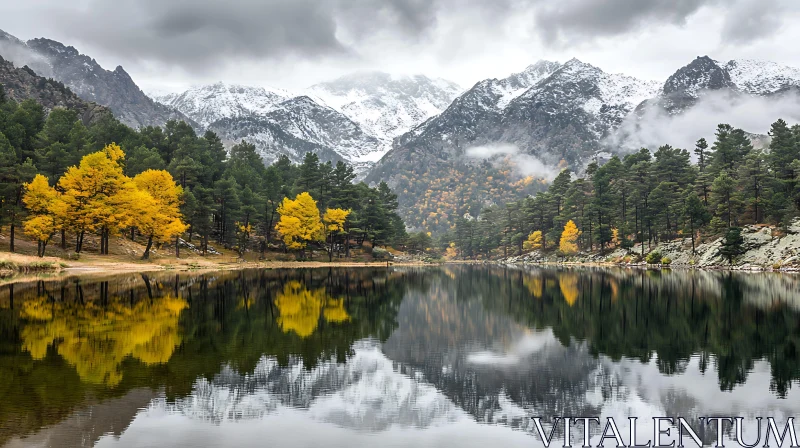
<point>25,267</point>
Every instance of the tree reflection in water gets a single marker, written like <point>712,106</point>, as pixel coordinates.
<point>547,337</point>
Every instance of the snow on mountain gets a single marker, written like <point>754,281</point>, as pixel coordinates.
<point>518,83</point>
<point>385,105</point>
<point>209,103</point>
<point>578,85</point>
<point>762,77</point>
<point>299,125</point>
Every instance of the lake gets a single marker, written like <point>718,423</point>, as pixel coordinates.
<point>452,356</point>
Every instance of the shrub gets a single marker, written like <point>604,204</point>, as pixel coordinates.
<point>653,257</point>
<point>381,254</point>
<point>777,265</point>
<point>666,261</point>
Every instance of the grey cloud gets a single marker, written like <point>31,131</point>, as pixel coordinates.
<point>200,36</point>
<point>566,21</point>
<point>194,34</point>
<point>752,20</point>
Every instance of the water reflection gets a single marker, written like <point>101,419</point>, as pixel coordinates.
<point>404,354</point>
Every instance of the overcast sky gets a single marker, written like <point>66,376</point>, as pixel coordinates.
<point>168,45</point>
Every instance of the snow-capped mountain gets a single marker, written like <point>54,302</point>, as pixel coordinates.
<point>84,76</point>
<point>209,103</point>
<point>761,77</point>
<point>297,126</point>
<point>548,116</point>
<point>353,118</point>
<point>384,105</point>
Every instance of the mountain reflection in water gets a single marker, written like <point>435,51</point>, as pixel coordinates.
<point>437,356</point>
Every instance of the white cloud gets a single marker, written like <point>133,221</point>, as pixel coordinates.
<point>523,164</point>
<point>753,114</point>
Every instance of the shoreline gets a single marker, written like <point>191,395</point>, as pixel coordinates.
<point>16,268</point>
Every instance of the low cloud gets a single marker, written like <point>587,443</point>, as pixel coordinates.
<point>523,164</point>
<point>754,114</point>
<point>21,55</point>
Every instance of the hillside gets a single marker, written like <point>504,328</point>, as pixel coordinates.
<point>84,76</point>
<point>22,83</point>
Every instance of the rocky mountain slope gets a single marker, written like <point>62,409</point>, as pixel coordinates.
<point>353,118</point>
<point>84,76</point>
<point>22,83</point>
<point>297,126</point>
<point>549,116</point>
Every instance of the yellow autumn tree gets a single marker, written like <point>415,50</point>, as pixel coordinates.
<point>299,223</point>
<point>89,191</point>
<point>334,220</point>
<point>160,221</point>
<point>569,239</point>
<point>534,241</point>
<point>615,237</point>
<point>41,200</point>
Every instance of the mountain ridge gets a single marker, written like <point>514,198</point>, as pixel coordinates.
<point>86,78</point>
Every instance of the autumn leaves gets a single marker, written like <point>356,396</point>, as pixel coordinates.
<point>300,223</point>
<point>568,244</point>
<point>96,197</point>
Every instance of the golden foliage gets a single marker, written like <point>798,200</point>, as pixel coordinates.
<point>42,201</point>
<point>299,222</point>
<point>534,241</point>
<point>569,237</point>
<point>160,215</point>
<point>334,219</point>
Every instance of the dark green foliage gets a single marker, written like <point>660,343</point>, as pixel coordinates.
<point>221,189</point>
<point>649,197</point>
<point>733,244</point>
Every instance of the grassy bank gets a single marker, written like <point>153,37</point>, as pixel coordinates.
<point>15,264</point>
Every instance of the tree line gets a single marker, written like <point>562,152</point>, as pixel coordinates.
<point>59,175</point>
<point>646,197</point>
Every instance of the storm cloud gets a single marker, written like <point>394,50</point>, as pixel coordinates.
<point>465,40</point>
<point>195,32</point>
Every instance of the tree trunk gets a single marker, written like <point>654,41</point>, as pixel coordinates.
<point>146,254</point>
<point>63,239</point>
<point>177,247</point>
<point>11,243</point>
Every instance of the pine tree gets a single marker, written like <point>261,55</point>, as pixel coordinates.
<point>732,245</point>
<point>696,215</point>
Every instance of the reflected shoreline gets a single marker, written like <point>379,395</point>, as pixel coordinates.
<point>493,345</point>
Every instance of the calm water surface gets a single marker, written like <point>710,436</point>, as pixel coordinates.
<point>454,356</point>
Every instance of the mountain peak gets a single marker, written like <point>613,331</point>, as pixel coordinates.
<point>703,73</point>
